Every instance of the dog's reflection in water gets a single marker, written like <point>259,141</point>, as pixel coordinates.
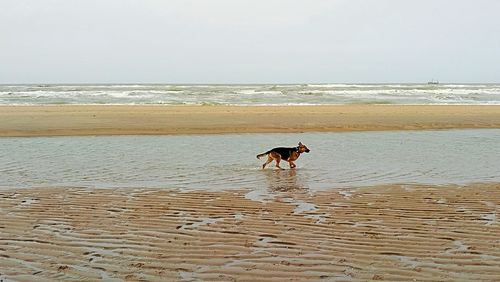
<point>284,180</point>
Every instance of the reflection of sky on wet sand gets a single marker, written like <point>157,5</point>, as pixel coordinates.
<point>219,162</point>
<point>284,180</point>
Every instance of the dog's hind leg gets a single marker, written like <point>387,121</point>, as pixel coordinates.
<point>269,160</point>
<point>278,159</point>
<point>275,156</point>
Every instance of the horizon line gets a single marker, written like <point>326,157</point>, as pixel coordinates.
<point>233,83</point>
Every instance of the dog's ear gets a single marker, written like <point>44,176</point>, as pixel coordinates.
<point>300,143</point>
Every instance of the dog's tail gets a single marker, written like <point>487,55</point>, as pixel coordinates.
<point>263,154</point>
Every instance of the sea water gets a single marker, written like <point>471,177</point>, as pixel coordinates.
<point>298,94</point>
<point>217,162</point>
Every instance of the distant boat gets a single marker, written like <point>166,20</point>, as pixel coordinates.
<point>433,82</point>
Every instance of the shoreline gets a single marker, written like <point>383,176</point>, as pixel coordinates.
<point>84,120</point>
<point>395,232</point>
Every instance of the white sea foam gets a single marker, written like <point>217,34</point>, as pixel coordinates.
<point>310,94</point>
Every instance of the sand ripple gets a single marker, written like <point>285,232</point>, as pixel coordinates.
<point>382,233</point>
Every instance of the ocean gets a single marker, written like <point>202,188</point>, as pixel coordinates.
<point>297,94</point>
<point>228,161</point>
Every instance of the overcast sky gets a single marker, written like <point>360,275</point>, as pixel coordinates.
<point>232,41</point>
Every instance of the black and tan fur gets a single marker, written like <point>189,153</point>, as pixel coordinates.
<point>285,154</point>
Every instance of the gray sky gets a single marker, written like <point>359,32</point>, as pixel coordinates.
<point>232,41</point>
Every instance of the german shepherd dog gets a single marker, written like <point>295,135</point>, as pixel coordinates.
<point>286,154</point>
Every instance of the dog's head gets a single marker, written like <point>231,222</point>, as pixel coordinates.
<point>302,148</point>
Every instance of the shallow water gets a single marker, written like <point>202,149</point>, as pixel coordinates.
<point>216,162</point>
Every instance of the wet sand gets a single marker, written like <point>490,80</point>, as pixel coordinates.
<point>135,120</point>
<point>399,232</point>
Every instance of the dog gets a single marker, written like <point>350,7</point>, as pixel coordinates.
<point>285,154</point>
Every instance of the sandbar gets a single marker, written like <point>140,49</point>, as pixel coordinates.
<point>68,120</point>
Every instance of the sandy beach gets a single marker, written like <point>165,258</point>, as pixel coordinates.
<point>136,120</point>
<point>400,232</point>
<point>396,232</point>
